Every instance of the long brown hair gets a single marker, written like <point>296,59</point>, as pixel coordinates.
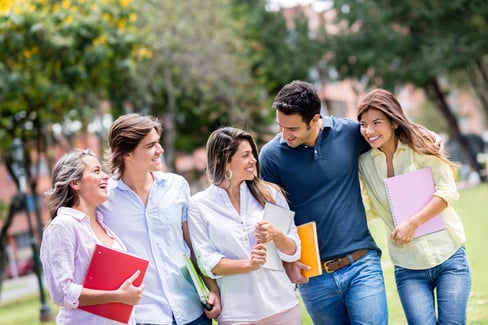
<point>416,136</point>
<point>222,144</point>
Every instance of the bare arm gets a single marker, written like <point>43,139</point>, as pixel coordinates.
<point>404,232</point>
<point>127,293</point>
<point>227,266</point>
<point>265,232</point>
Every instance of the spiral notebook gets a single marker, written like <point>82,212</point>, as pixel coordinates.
<point>410,192</point>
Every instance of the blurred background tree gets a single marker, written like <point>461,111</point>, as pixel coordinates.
<point>58,61</point>
<point>390,43</point>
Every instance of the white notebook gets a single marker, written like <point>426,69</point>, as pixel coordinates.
<point>281,218</point>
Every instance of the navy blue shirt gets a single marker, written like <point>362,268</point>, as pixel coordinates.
<point>322,185</point>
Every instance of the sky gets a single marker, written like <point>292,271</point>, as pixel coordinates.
<point>318,5</point>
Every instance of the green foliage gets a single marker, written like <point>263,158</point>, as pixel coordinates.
<point>430,117</point>
<point>3,209</point>
<point>61,56</point>
<point>198,77</point>
<point>396,42</point>
<point>277,55</point>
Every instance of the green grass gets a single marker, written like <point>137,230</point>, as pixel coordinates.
<point>472,207</point>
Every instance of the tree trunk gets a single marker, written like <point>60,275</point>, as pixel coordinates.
<point>169,121</point>
<point>480,86</point>
<point>436,95</point>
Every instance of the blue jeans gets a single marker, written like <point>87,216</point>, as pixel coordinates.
<point>202,320</point>
<point>452,283</point>
<point>354,294</point>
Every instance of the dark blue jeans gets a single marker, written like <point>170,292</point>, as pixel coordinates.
<point>451,281</point>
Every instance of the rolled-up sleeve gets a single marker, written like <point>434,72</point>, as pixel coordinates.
<point>206,253</point>
<point>292,234</point>
<point>445,184</point>
<point>58,261</point>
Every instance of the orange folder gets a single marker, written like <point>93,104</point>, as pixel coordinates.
<point>310,249</point>
<point>107,270</point>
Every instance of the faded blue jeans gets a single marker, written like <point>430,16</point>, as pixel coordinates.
<point>451,281</point>
<point>354,294</point>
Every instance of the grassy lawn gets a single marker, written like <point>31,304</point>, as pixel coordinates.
<point>472,207</point>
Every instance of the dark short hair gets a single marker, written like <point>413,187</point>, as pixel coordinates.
<point>298,97</point>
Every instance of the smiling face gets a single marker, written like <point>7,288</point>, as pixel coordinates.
<point>146,157</point>
<point>295,131</point>
<point>243,163</point>
<point>92,187</point>
<point>378,130</point>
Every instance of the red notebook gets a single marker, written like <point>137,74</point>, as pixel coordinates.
<point>410,192</point>
<point>107,270</point>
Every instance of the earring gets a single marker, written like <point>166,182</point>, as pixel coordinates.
<point>228,174</point>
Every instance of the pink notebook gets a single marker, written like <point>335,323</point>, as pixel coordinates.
<point>410,192</point>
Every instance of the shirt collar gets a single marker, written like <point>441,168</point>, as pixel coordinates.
<point>77,214</point>
<point>375,152</point>
<point>159,177</point>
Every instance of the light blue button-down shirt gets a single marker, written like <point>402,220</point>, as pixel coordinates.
<point>154,232</point>
<point>66,249</point>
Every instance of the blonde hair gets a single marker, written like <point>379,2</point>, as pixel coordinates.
<point>67,169</point>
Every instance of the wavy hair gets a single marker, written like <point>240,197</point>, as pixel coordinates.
<point>124,136</point>
<point>221,146</point>
<point>67,169</point>
<point>416,136</point>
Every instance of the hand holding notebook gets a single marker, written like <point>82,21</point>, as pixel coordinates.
<point>198,283</point>
<point>407,194</point>
<point>281,218</point>
<point>108,270</point>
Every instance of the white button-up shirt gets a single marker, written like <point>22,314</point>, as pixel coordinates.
<point>66,249</point>
<point>218,231</point>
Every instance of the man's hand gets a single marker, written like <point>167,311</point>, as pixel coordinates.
<point>214,300</point>
<point>294,271</point>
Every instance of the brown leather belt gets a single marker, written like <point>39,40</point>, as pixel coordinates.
<point>340,262</point>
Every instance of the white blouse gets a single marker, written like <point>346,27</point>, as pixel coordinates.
<point>218,231</point>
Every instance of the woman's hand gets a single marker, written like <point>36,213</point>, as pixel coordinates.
<point>266,232</point>
<point>404,232</point>
<point>128,293</point>
<point>258,257</point>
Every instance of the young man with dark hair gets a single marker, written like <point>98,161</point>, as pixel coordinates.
<point>315,159</point>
